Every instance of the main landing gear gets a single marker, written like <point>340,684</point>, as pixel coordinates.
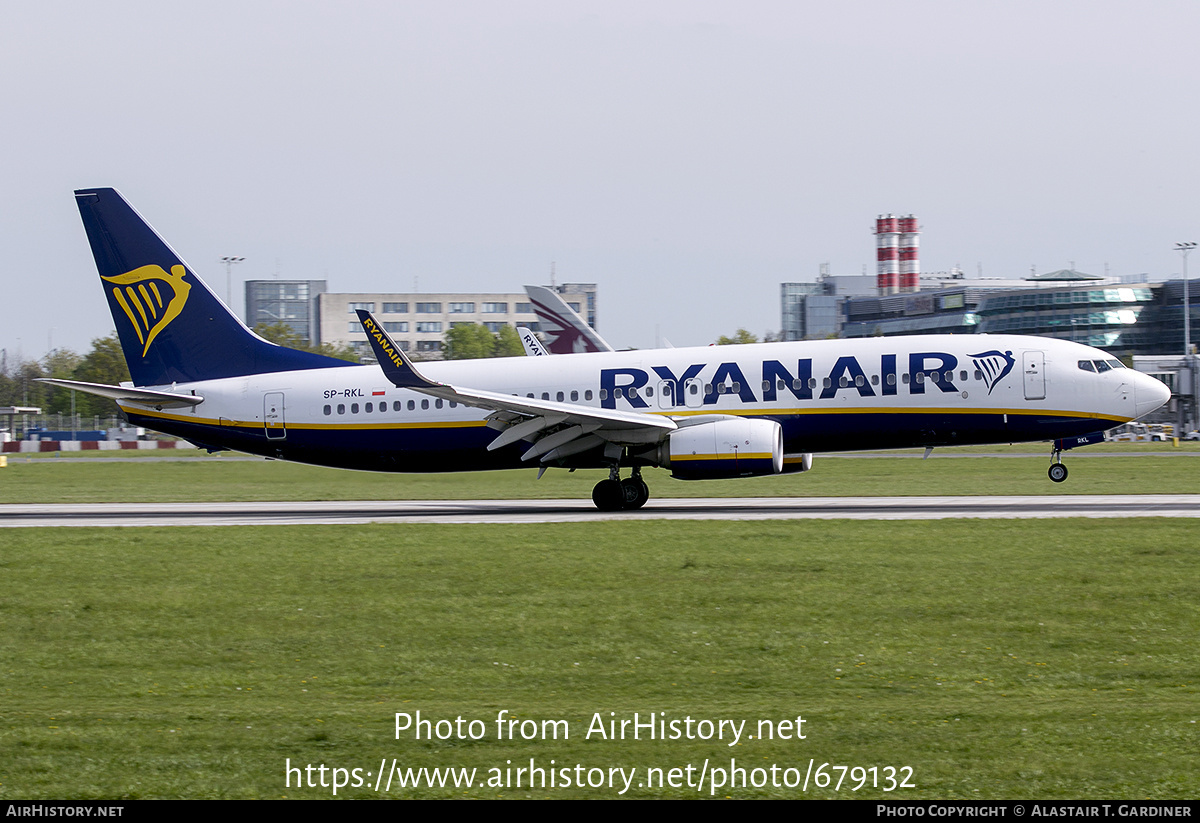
<point>615,494</point>
<point>1058,472</point>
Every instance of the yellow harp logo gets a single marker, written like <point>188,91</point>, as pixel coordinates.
<point>140,294</point>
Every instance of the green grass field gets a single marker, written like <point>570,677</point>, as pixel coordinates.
<point>997,659</point>
<point>1123,469</point>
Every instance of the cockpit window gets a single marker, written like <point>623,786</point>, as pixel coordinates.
<point>1102,365</point>
<point>1116,364</point>
<point>1086,365</point>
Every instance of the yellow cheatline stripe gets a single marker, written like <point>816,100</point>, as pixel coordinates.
<point>746,456</point>
<point>459,424</point>
<point>226,423</point>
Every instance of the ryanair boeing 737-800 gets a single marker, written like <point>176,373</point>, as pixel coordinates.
<point>712,412</point>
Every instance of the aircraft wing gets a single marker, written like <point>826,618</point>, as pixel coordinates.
<point>557,429</point>
<point>126,394</point>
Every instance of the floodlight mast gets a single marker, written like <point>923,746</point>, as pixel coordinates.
<point>229,261</point>
<point>1184,249</point>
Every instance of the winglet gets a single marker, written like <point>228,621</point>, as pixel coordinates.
<point>394,362</point>
<point>533,346</point>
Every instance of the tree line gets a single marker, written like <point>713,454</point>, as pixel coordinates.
<point>105,363</point>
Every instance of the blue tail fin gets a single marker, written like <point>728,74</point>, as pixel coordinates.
<point>172,327</point>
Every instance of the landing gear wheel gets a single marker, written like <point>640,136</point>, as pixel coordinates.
<point>608,495</point>
<point>634,492</point>
<point>1058,472</point>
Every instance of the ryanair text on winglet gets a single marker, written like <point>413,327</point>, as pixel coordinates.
<point>385,345</point>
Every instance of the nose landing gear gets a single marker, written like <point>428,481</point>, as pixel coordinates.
<point>615,494</point>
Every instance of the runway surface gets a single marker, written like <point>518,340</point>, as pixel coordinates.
<point>564,511</point>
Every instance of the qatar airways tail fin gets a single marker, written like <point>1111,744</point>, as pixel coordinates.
<point>565,331</point>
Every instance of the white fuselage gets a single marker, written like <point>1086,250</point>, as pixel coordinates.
<point>830,394</point>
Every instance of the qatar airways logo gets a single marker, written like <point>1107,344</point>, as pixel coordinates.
<point>702,384</point>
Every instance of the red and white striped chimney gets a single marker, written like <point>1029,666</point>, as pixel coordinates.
<point>887,244</point>
<point>910,263</point>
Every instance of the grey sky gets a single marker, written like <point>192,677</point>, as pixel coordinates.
<point>686,156</point>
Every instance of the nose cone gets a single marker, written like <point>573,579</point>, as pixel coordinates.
<point>1149,393</point>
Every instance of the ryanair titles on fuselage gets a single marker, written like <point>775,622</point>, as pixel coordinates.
<point>924,369</point>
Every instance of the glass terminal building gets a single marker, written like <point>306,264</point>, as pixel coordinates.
<point>1126,320</point>
<point>1141,323</point>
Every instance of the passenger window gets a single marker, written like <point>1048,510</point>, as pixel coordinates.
<point>453,405</point>
<point>604,394</point>
<point>962,376</point>
<point>874,380</point>
<point>412,405</point>
<point>843,381</point>
<point>978,374</point>
<point>546,395</point>
<point>396,406</point>
<point>574,396</point>
<point>341,408</point>
<point>692,388</point>
<point>859,380</point>
<point>649,391</point>
<point>891,381</point>
<point>328,410</point>
<point>737,387</point>
<point>904,378</point>
<point>354,408</point>
<point>812,382</point>
<point>437,404</point>
<point>720,388</point>
<point>618,393</point>
<point>370,408</point>
<point>797,384</point>
<point>767,385</point>
<point>919,377</point>
<point>424,404</point>
<point>587,395</point>
<point>827,382</point>
<point>560,397</point>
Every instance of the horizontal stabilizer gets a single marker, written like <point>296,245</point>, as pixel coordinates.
<point>122,394</point>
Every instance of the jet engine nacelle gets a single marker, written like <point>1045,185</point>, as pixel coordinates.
<point>730,447</point>
<point>794,463</point>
